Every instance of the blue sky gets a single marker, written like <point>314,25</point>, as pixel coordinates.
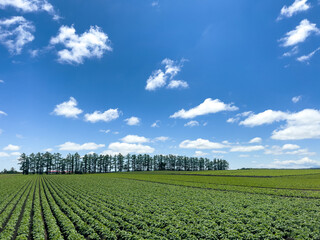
<point>230,79</point>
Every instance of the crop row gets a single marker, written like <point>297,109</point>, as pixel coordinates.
<point>174,212</point>
<point>306,186</point>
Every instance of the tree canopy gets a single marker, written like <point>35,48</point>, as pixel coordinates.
<point>39,163</point>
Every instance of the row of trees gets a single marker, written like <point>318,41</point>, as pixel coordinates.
<point>40,163</point>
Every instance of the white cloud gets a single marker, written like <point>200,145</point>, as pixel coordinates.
<point>161,139</point>
<point>200,144</point>
<point>218,151</point>
<point>156,124</point>
<point>192,124</point>
<point>266,117</point>
<point>306,58</point>
<point>3,113</point>
<point>11,147</point>
<point>289,146</point>
<point>244,155</point>
<point>296,99</point>
<point>159,77</point>
<point>255,140</point>
<point>237,117</point>
<point>132,121</point>
<point>301,125</point>
<point>200,154</point>
<point>4,154</point>
<point>208,106</point>
<point>246,148</point>
<point>125,148</point>
<point>90,44</point>
<point>104,131</point>
<point>68,109</point>
<point>177,84</point>
<point>157,80</point>
<point>300,163</point>
<point>71,146</point>
<point>16,32</point>
<point>1,131</point>
<point>15,154</point>
<point>292,52</point>
<point>30,6</point>
<point>297,6</point>
<point>300,34</point>
<point>106,116</point>
<point>48,150</point>
<point>1,81</point>
<point>288,149</point>
<point>134,139</point>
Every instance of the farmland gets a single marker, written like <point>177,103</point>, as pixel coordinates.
<point>243,204</point>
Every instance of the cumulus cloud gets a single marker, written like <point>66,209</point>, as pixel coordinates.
<point>246,148</point>
<point>68,109</point>
<point>266,117</point>
<point>207,107</point>
<point>296,7</point>
<point>15,154</point>
<point>159,77</point>
<point>306,58</point>
<point>300,34</point>
<point>289,146</point>
<point>200,144</point>
<point>125,148</point>
<point>91,44</point>
<point>255,140</point>
<point>105,116</point>
<point>200,154</point>
<point>11,147</point>
<point>288,149</point>
<point>301,125</point>
<point>304,162</point>
<point>15,33</point>
<point>296,99</point>
<point>132,121</point>
<point>161,139</point>
<point>134,139</point>
<point>71,146</point>
<point>48,149</point>
<point>4,154</point>
<point>192,124</point>
<point>30,6</point>
<point>177,84</point>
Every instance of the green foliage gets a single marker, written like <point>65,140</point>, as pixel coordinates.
<point>153,205</point>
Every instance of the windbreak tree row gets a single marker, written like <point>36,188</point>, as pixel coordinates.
<point>48,163</point>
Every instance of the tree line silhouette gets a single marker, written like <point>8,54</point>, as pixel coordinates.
<point>49,163</point>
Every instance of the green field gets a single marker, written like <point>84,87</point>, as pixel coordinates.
<point>242,204</point>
